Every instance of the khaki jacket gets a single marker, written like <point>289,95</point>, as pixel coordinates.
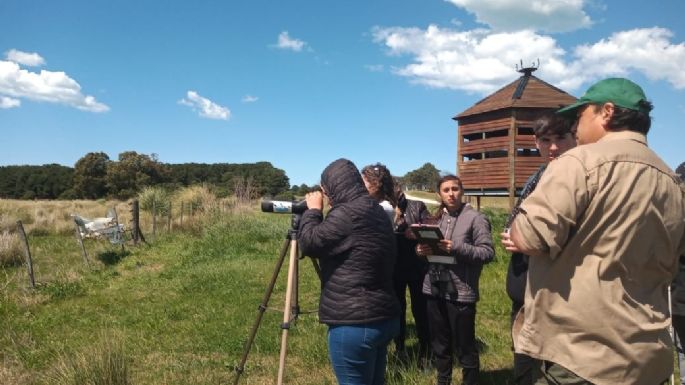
<point>609,217</point>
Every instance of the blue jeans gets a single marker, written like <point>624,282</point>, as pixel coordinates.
<point>358,353</point>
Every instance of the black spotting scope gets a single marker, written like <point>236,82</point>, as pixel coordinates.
<point>284,207</point>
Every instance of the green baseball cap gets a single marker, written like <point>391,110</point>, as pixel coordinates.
<point>622,92</point>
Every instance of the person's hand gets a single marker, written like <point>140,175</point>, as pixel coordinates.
<point>508,243</point>
<point>314,200</point>
<point>445,245</point>
<point>409,234</point>
<point>423,249</point>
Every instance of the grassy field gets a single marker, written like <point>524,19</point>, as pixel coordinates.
<point>179,309</point>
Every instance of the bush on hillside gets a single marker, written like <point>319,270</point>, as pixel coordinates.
<point>194,199</point>
<point>154,197</point>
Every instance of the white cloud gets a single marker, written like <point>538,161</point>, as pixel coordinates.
<point>46,86</point>
<point>249,99</point>
<point>29,59</point>
<point>647,51</point>
<point>7,102</point>
<point>205,107</point>
<point>539,15</point>
<point>482,61</point>
<point>287,42</point>
<point>374,67</point>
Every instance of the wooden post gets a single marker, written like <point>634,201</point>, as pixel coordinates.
<point>512,160</point>
<point>27,253</point>
<point>79,238</point>
<point>135,221</point>
<point>460,159</point>
<point>168,219</point>
<point>182,209</point>
<point>116,222</point>
<point>154,220</point>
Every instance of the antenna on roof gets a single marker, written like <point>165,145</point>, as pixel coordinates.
<point>523,82</point>
<point>527,71</point>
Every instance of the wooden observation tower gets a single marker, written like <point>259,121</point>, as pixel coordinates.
<point>495,143</point>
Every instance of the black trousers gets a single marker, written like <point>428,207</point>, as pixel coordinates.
<point>523,364</point>
<point>453,330</point>
<point>418,310</point>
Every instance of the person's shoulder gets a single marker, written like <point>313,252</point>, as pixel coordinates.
<point>580,157</point>
<point>470,212</point>
<point>416,203</point>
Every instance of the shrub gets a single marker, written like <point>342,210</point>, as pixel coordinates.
<point>195,198</point>
<point>154,197</point>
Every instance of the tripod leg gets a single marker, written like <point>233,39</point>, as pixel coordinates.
<point>292,270</point>
<point>317,269</point>
<point>262,309</point>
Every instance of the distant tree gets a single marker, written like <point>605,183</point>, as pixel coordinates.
<point>681,171</point>
<point>134,171</point>
<point>48,181</point>
<point>90,175</point>
<point>301,190</point>
<point>423,178</point>
<point>265,178</point>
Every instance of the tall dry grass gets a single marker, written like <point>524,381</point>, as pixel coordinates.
<point>104,363</point>
<point>10,249</point>
<point>42,217</point>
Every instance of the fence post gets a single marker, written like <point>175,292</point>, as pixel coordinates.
<point>154,219</point>
<point>116,222</point>
<point>168,220</point>
<point>135,218</point>
<point>27,252</point>
<point>182,208</point>
<point>79,238</point>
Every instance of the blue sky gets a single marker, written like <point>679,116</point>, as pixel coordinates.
<point>302,83</point>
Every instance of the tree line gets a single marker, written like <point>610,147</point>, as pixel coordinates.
<point>96,176</point>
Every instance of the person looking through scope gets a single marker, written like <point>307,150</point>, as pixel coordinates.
<point>409,269</point>
<point>356,249</point>
<point>452,288</point>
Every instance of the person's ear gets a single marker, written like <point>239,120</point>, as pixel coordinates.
<point>607,111</point>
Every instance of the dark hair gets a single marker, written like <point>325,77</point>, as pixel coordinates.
<point>633,120</point>
<point>381,185</point>
<point>681,171</point>
<point>446,178</point>
<point>552,123</point>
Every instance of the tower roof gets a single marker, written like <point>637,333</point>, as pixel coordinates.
<point>528,91</point>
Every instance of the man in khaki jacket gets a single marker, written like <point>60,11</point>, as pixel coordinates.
<point>604,229</point>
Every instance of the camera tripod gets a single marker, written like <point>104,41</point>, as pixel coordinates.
<point>291,309</point>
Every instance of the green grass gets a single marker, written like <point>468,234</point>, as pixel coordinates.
<point>178,311</point>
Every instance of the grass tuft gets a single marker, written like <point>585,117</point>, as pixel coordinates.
<point>11,253</point>
<point>105,363</point>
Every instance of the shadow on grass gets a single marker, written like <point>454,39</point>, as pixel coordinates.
<point>112,257</point>
<point>497,377</point>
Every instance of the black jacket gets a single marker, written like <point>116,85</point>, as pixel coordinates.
<point>356,248</point>
<point>409,267</point>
